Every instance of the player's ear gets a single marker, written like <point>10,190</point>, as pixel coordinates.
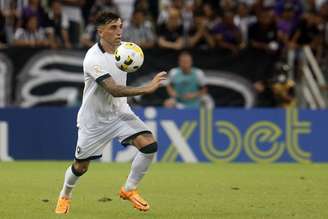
<point>100,30</point>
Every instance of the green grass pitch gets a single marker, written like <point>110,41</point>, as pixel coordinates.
<point>29,190</point>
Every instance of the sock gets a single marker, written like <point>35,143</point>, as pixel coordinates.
<point>139,168</point>
<point>69,183</point>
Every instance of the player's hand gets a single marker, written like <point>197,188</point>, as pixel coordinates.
<point>190,96</point>
<point>156,82</point>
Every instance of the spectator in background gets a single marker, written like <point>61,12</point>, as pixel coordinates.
<point>104,5</point>
<point>58,25</point>
<point>226,5</point>
<point>309,5</point>
<point>186,84</point>
<point>243,19</point>
<point>170,34</point>
<point>3,38</point>
<point>324,16</point>
<point>261,5</point>
<point>149,7</point>
<point>139,30</point>
<point>187,15</point>
<point>227,34</point>
<point>264,50</point>
<point>34,8</point>
<point>286,23</point>
<point>164,7</point>
<point>89,36</point>
<point>185,9</point>
<point>11,20</point>
<point>284,92</point>
<point>210,15</point>
<point>323,11</point>
<point>263,33</point>
<point>72,9</point>
<point>199,35</point>
<point>307,32</point>
<point>295,4</point>
<point>31,35</point>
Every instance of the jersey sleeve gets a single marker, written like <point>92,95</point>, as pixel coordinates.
<point>171,75</point>
<point>201,77</point>
<point>95,69</point>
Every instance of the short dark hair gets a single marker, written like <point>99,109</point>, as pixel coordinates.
<point>136,11</point>
<point>184,53</point>
<point>105,17</point>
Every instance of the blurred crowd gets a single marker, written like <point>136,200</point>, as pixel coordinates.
<point>271,29</point>
<point>270,25</point>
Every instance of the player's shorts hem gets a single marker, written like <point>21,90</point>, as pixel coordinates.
<point>126,141</point>
<point>88,158</point>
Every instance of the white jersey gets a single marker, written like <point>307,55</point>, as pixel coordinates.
<point>98,105</point>
<point>103,117</point>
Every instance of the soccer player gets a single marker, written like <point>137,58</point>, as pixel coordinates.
<point>105,114</point>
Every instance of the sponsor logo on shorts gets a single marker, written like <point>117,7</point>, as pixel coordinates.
<point>78,149</point>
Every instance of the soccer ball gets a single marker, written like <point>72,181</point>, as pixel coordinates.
<point>128,57</point>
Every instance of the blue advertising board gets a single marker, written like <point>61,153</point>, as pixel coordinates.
<point>189,135</point>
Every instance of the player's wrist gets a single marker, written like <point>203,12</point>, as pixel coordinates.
<point>146,89</point>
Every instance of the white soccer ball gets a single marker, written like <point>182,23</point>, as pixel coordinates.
<point>128,57</point>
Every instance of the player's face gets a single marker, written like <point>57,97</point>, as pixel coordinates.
<point>185,62</point>
<point>112,32</point>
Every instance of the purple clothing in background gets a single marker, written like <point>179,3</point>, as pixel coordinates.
<point>227,32</point>
<point>39,13</point>
<point>285,26</point>
<point>296,4</point>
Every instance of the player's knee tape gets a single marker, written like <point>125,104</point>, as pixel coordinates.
<point>76,172</point>
<point>149,149</point>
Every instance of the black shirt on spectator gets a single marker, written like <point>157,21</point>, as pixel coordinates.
<point>170,35</point>
<point>307,32</point>
<point>260,34</point>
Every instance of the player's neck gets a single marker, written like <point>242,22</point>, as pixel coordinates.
<point>109,48</point>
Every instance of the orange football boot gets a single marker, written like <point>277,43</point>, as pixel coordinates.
<point>63,205</point>
<point>134,197</point>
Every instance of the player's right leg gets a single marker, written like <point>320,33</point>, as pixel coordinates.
<point>90,146</point>
<point>73,173</point>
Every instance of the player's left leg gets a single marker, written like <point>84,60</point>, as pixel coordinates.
<point>147,147</point>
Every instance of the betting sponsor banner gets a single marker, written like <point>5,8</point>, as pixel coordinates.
<point>188,135</point>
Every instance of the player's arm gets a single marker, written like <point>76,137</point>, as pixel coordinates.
<point>170,90</point>
<point>117,90</point>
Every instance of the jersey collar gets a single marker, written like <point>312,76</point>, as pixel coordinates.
<point>101,47</point>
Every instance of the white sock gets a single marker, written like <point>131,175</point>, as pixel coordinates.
<point>69,183</point>
<point>139,168</point>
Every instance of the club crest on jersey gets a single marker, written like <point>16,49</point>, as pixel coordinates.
<point>78,149</point>
<point>97,69</point>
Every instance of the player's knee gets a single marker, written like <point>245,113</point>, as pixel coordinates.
<point>150,148</point>
<point>79,169</point>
